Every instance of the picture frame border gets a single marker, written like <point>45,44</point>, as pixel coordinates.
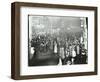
<point>15,39</point>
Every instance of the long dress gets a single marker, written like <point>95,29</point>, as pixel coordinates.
<point>55,47</point>
<point>73,53</point>
<point>62,53</point>
<point>78,49</point>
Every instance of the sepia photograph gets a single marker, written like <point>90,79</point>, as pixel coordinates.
<point>57,40</point>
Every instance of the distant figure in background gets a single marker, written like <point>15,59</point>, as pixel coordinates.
<point>78,53</point>
<point>70,49</point>
<point>84,57</point>
<point>62,52</point>
<point>73,55</point>
<point>68,58</point>
<point>55,47</point>
<point>77,49</point>
<point>32,51</point>
<point>62,55</point>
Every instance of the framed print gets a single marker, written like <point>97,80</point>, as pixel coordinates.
<point>53,40</point>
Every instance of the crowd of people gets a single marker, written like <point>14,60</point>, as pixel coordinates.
<point>69,51</point>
